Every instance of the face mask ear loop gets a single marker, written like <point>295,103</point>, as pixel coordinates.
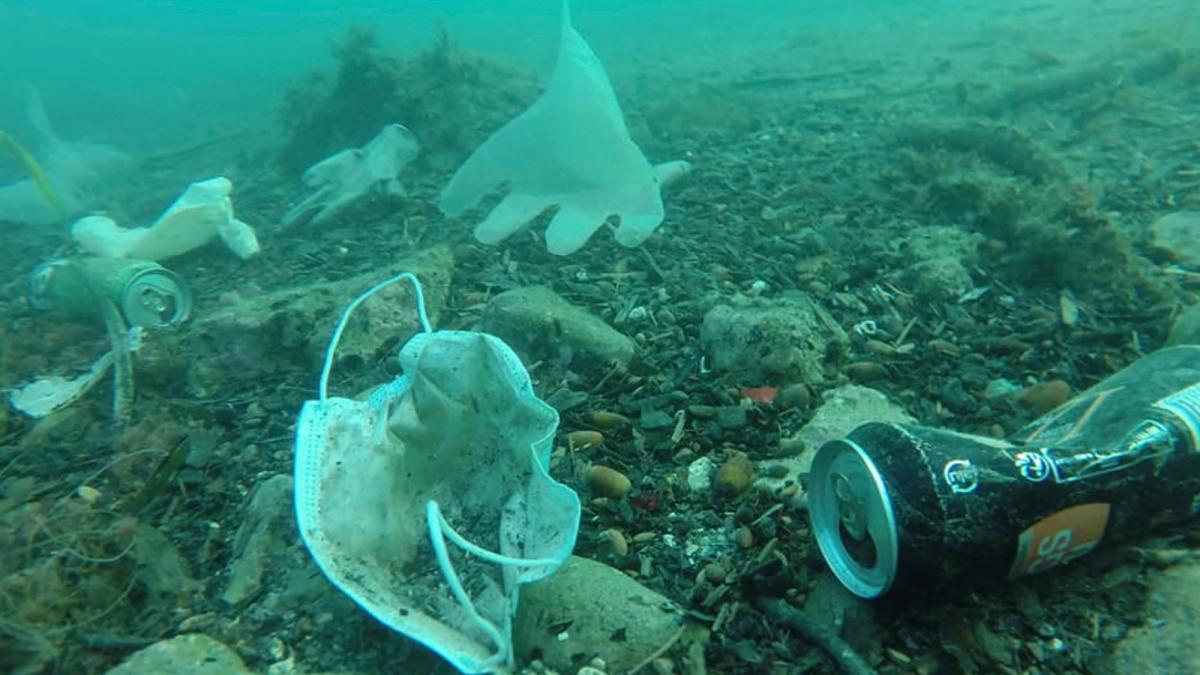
<point>435,522</point>
<point>479,551</point>
<point>323,385</point>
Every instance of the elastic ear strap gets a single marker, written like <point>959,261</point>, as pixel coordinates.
<point>437,525</point>
<point>323,385</point>
<point>480,552</point>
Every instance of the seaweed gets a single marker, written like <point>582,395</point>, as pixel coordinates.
<point>1043,220</point>
<point>448,97</point>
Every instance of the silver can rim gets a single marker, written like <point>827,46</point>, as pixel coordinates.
<point>156,276</point>
<point>863,581</point>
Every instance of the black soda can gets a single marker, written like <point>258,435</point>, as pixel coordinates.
<point>895,503</point>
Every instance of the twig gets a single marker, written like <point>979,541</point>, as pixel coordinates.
<point>843,655</point>
<point>661,650</point>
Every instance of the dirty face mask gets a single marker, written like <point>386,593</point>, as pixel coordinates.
<point>429,502</point>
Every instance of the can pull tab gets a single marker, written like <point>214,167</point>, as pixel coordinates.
<point>156,302</point>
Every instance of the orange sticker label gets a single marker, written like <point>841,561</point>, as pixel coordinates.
<point>1060,538</point>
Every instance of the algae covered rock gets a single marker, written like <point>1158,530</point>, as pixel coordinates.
<point>587,610</point>
<point>1178,236</point>
<point>541,324</point>
<point>1185,330</point>
<point>195,654</point>
<point>250,339</point>
<point>771,340</point>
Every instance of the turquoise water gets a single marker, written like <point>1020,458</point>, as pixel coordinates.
<point>709,224</point>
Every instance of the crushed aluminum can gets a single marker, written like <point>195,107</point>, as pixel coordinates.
<point>896,505</point>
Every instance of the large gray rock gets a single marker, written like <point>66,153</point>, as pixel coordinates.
<point>540,324</point>
<point>1166,641</point>
<point>764,341</point>
<point>184,655</point>
<point>588,609</point>
<point>252,338</point>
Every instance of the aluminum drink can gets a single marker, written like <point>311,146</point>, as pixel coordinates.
<point>905,505</point>
<point>144,292</point>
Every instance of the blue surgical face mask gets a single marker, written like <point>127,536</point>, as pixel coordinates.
<point>429,502</point>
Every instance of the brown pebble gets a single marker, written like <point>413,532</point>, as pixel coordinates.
<point>734,475</point>
<point>1047,396</point>
<point>608,482</point>
<point>777,471</point>
<point>715,573</point>
<point>1005,345</point>
<point>617,541</point>
<point>791,446</point>
<point>944,348</point>
<point>879,348</point>
<point>578,440</point>
<point>643,537</point>
<point>606,419</point>
<point>744,537</point>
<point>994,247</point>
<point>865,371</point>
<point>793,396</point>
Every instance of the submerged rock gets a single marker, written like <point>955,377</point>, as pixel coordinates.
<point>1186,328</point>
<point>541,324</point>
<point>588,609</point>
<point>770,340</point>
<point>844,409</point>
<point>267,530</point>
<point>1178,235</point>
<point>195,654</point>
<point>253,338</point>
<point>1166,641</point>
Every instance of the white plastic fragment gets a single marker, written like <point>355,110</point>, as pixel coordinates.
<point>43,396</point>
<point>203,212</point>
<point>343,179</point>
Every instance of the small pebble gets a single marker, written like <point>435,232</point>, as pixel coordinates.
<point>617,541</point>
<point>880,348</point>
<point>791,446</point>
<point>944,348</point>
<point>744,537</point>
<point>734,475</point>
<point>715,573</point>
<point>777,471</point>
<point>608,482</point>
<point>865,371</point>
<point>578,440</point>
<point>794,396</point>
<point>1044,397</point>
<point>88,494</point>
<point>606,419</point>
